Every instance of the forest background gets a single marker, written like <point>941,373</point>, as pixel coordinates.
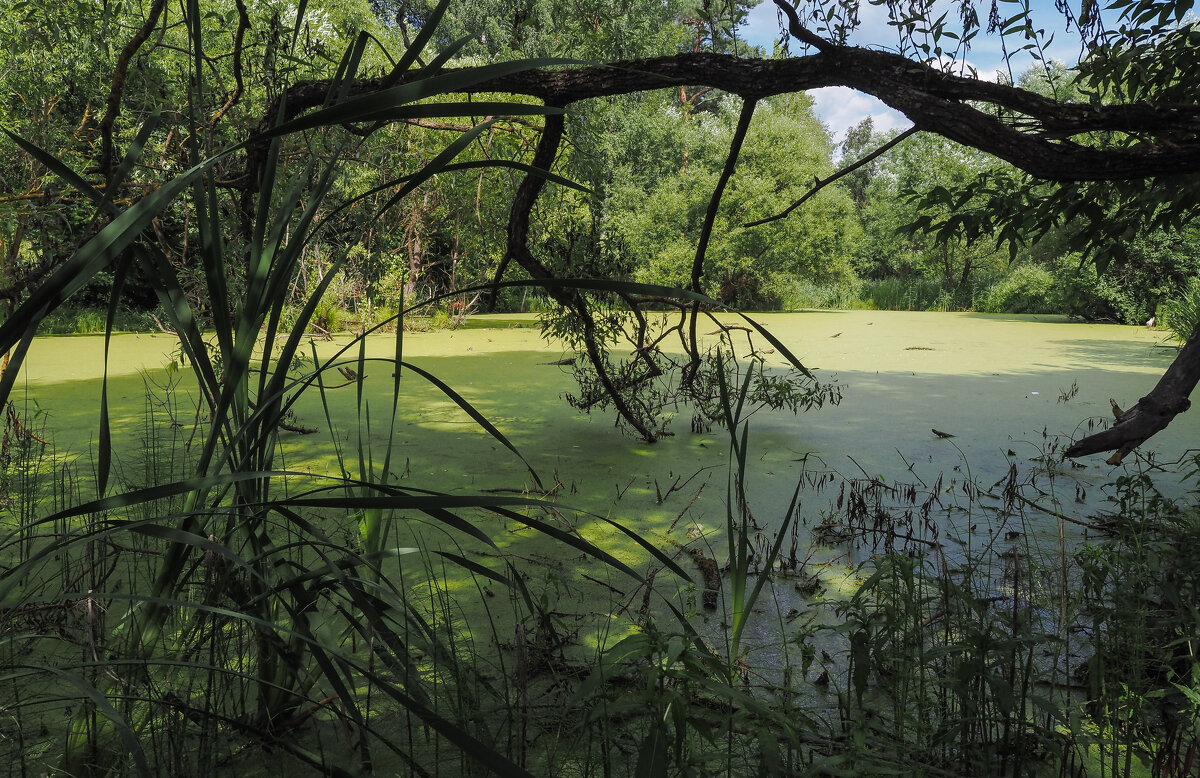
<point>649,162</point>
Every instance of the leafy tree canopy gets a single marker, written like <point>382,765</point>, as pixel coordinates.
<point>1113,152</point>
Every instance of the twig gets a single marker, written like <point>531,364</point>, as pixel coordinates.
<point>236,95</point>
<point>1054,513</point>
<point>162,327</point>
<point>819,184</point>
<point>798,31</point>
<point>117,86</point>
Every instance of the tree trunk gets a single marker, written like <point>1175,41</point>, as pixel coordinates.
<point>1153,413</point>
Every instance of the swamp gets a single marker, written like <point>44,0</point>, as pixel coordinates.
<point>478,387</point>
<point>922,575</point>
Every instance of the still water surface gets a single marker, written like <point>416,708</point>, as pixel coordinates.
<point>1001,385</point>
<point>1010,389</point>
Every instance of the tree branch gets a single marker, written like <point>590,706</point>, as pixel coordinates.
<point>1027,130</point>
<point>518,249</point>
<point>799,31</point>
<point>115,92</point>
<point>710,218</point>
<point>936,102</point>
<point>1153,413</point>
<point>820,184</point>
<point>238,37</point>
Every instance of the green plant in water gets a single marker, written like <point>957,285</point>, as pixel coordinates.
<point>249,620</point>
<point>696,712</point>
<point>1181,313</point>
<point>1141,603</point>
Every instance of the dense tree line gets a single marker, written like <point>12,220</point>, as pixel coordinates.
<point>81,85</point>
<point>1061,192</point>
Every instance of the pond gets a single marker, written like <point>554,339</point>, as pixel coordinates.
<point>1011,390</point>
<point>1008,388</point>
<point>1006,392</point>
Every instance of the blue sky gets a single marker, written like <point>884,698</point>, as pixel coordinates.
<point>841,108</point>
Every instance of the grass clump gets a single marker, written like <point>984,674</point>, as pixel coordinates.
<point>1181,313</point>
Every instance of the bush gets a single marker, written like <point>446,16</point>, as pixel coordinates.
<point>328,316</point>
<point>1082,292</point>
<point>92,321</point>
<point>1141,274</point>
<point>1181,312</point>
<point>1026,289</point>
<point>796,294</point>
<point>906,294</point>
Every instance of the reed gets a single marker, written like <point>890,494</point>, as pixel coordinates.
<point>203,609</point>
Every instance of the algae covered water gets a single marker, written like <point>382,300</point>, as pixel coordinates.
<point>941,415</point>
<point>958,396</point>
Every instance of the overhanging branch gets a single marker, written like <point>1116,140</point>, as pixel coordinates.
<point>821,183</point>
<point>1034,139</point>
<point>1153,413</point>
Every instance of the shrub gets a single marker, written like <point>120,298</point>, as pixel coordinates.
<point>1181,312</point>
<point>796,294</point>
<point>1027,289</point>
<point>905,294</point>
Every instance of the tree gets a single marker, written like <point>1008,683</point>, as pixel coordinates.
<point>664,183</point>
<point>1121,161</point>
<point>914,189</point>
<point>1132,149</point>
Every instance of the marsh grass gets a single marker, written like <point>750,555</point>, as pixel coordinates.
<point>197,608</point>
<point>964,647</point>
<point>1181,312</point>
<point>220,600</point>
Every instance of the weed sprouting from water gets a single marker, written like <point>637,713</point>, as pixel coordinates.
<point>954,639</point>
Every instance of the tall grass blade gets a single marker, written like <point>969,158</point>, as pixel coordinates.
<point>475,415</point>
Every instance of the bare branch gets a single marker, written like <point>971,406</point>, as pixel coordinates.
<point>239,89</point>
<point>799,31</point>
<point>936,102</point>
<point>820,184</point>
<point>710,218</point>
<point>115,92</point>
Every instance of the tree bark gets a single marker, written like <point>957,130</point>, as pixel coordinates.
<point>1153,413</point>
<point>1025,129</point>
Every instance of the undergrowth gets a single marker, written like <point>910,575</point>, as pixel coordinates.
<point>963,646</point>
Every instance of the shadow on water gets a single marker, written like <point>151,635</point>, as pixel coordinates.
<point>885,424</point>
<point>1154,357</point>
<point>1008,391</point>
<point>1006,407</point>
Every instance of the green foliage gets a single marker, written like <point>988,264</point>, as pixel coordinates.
<point>596,29</point>
<point>1129,291</point>
<point>1139,598</point>
<point>1150,59</point>
<point>663,189</point>
<point>919,267</point>
<point>94,321</point>
<point>907,294</point>
<point>1181,312</point>
<point>1027,289</point>
<point>796,294</point>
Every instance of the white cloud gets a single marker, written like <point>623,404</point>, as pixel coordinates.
<point>761,27</point>
<point>840,108</point>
